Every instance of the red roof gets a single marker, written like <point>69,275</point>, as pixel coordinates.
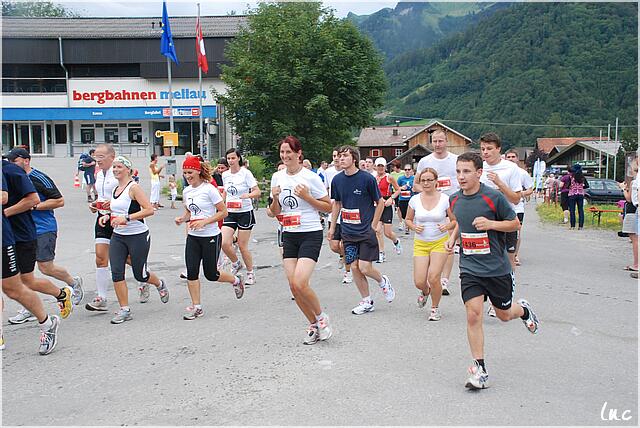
<point>547,144</point>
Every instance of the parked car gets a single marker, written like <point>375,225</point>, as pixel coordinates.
<point>603,191</point>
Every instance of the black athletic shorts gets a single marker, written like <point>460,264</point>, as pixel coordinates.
<point>103,233</point>
<point>499,289</point>
<point>564,201</point>
<point>387,215</point>
<point>403,204</point>
<point>511,241</point>
<point>26,254</point>
<point>299,245</point>
<point>337,234</point>
<point>9,262</point>
<point>363,247</point>
<point>241,221</point>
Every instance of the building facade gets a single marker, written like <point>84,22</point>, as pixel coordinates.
<point>71,83</point>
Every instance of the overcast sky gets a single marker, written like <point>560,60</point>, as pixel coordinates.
<point>106,8</point>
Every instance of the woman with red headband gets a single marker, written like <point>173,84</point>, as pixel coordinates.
<point>298,196</point>
<point>204,207</point>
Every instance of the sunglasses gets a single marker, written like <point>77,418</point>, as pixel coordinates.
<point>407,169</point>
<point>428,180</point>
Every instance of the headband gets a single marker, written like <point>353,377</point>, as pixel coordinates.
<point>124,161</point>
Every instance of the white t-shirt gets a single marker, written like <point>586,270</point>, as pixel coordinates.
<point>105,183</point>
<point>429,218</point>
<point>527,183</point>
<point>297,214</point>
<point>508,172</point>
<point>236,185</point>
<point>446,168</point>
<point>201,202</point>
<point>634,191</point>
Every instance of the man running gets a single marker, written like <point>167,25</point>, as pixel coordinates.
<point>46,229</point>
<point>89,168</point>
<point>359,204</point>
<point>484,216</point>
<point>444,162</point>
<point>527,190</point>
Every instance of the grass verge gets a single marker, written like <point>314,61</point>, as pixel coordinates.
<point>609,221</point>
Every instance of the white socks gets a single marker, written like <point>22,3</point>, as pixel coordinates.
<point>103,279</point>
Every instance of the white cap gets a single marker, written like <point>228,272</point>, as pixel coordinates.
<point>380,161</point>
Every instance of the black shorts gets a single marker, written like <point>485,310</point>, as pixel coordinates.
<point>520,217</point>
<point>9,262</point>
<point>387,215</point>
<point>363,248</point>
<point>564,201</point>
<point>299,245</point>
<point>337,234</point>
<point>103,233</point>
<point>403,204</point>
<point>26,254</point>
<point>511,241</point>
<point>499,289</point>
<point>241,221</point>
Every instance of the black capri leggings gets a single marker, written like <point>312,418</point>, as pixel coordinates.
<point>137,246</point>
<point>205,250</point>
<point>403,204</point>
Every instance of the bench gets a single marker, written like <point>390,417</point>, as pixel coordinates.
<point>597,212</point>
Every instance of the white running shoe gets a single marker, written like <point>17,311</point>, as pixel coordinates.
<point>362,308</point>
<point>143,290</point>
<point>387,289</point>
<point>478,378</point>
<point>251,279</point>
<point>311,335</point>
<point>22,317</point>
<point>347,277</point>
<point>381,257</point>
<point>340,262</point>
<point>491,311</point>
<point>324,329</point>
<point>444,282</point>
<point>398,247</point>
<point>532,322</point>
<point>422,300</point>
<point>435,314</point>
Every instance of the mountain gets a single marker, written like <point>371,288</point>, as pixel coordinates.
<point>417,25</point>
<point>535,63</point>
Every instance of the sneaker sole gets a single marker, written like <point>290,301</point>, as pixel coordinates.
<point>94,309</point>
<point>191,318</point>
<point>121,321</point>
<point>362,313</point>
<point>55,340</point>
<point>22,321</point>
<point>472,386</point>
<point>328,336</point>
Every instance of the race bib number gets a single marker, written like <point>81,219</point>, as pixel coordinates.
<point>100,207</point>
<point>290,221</point>
<point>351,216</point>
<point>405,194</point>
<point>444,183</point>
<point>475,243</point>
<point>234,205</point>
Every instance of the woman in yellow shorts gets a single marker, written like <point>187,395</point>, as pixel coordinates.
<point>426,216</point>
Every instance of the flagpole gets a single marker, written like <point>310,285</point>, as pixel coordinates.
<point>200,91</point>
<point>170,103</point>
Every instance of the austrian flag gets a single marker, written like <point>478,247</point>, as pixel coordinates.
<point>202,54</point>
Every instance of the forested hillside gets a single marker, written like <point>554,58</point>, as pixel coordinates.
<point>538,63</point>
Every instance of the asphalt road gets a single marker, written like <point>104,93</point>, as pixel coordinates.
<point>244,363</point>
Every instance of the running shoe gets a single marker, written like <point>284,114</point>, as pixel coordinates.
<point>444,282</point>
<point>324,329</point>
<point>251,278</point>
<point>347,277</point>
<point>1,342</point>
<point>236,267</point>
<point>78,292</point>
<point>143,289</point>
<point>121,316</point>
<point>49,338</point>
<point>192,313</point>
<point>435,314</point>
<point>532,322</point>
<point>22,317</point>
<point>239,287</point>
<point>401,226</point>
<point>387,289</point>
<point>456,249</point>
<point>362,308</point>
<point>183,274</point>
<point>478,378</point>
<point>491,311</point>
<point>398,247</point>
<point>422,300</point>
<point>311,335</point>
<point>163,291</point>
<point>65,305</point>
<point>340,262</point>
<point>97,304</point>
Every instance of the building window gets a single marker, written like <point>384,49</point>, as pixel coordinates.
<point>375,153</point>
<point>398,152</point>
<point>111,135</point>
<point>87,135</point>
<point>135,135</point>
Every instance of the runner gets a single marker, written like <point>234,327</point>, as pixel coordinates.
<point>240,187</point>
<point>396,172</point>
<point>13,287</point>
<point>368,165</point>
<point>105,183</point>
<point>389,190</point>
<point>355,192</point>
<point>129,207</point>
<point>204,207</point>
<point>426,215</point>
<point>21,200</point>
<point>155,171</point>
<point>89,168</point>
<point>527,190</point>
<point>405,181</point>
<point>484,215</point>
<point>46,230</point>
<point>444,162</point>
<point>298,196</point>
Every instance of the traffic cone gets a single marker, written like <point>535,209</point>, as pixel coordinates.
<point>76,181</point>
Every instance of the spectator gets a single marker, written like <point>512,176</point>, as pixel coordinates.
<point>630,223</point>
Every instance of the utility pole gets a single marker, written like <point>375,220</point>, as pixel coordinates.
<point>608,141</point>
<point>615,158</point>
<point>600,156</point>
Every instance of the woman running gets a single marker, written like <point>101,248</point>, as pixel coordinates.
<point>426,216</point>
<point>240,187</point>
<point>405,182</point>
<point>129,207</point>
<point>204,207</point>
<point>298,196</point>
<point>389,190</point>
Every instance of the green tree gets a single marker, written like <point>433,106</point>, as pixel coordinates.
<point>35,9</point>
<point>297,69</point>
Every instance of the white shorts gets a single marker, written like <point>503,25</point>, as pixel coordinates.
<point>154,197</point>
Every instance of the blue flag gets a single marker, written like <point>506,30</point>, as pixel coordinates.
<point>167,48</point>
